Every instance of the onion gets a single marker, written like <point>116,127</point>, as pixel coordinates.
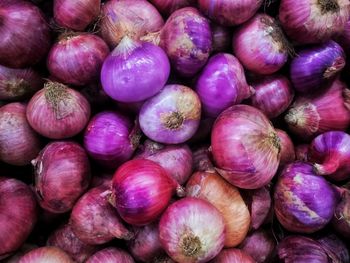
<point>76,15</point>
<point>45,255</point>
<point>233,255</point>
<point>303,201</point>
<point>202,159</point>
<point>301,152</point>
<point>335,248</point>
<point>94,221</point>
<point>62,175</point>
<point>120,18</point>
<point>24,32</point>
<point>110,138</point>
<point>344,38</point>
<point>222,84</point>
<point>341,218</point>
<point>287,148</point>
<point>261,45</point>
<point>257,146</point>
<point>229,12</point>
<point>134,71</point>
<point>111,255</point>
<point>313,21</point>
<point>222,37</point>
<point>212,188</point>
<point>77,58</point>
<point>184,232</point>
<point>172,116</point>
<point>23,250</point>
<point>167,7</point>
<point>18,214</point>
<point>18,84</point>
<point>58,112</point>
<point>19,144</point>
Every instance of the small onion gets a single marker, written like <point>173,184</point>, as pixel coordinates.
<point>222,37</point>
<point>62,175</point>
<point>167,7</point>
<point>172,116</point>
<point>233,255</point>
<point>287,148</point>
<point>302,152</point>
<point>184,231</point>
<point>45,255</point>
<point>335,248</point>
<point>58,112</point>
<point>111,255</point>
<point>341,218</point>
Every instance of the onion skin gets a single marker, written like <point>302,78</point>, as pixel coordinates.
<point>222,37</point>
<point>311,21</point>
<point>222,84</point>
<point>45,255</point>
<point>184,234</point>
<point>335,248</point>
<point>287,148</point>
<point>18,214</point>
<point>302,152</point>
<point>76,15</point>
<point>19,144</point>
<point>24,32</point>
<point>303,209</point>
<point>77,58</point>
<point>260,45</point>
<point>254,163</point>
<point>233,255</point>
<point>167,7</point>
<point>111,255</point>
<point>341,218</point>
<point>61,163</point>
<point>212,188</point>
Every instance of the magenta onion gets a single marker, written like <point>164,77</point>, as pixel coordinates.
<point>134,71</point>
<point>172,116</point>
<point>301,152</point>
<point>260,45</point>
<point>133,18</point>
<point>335,248</point>
<point>17,84</point>
<point>62,175</point>
<point>287,148</point>
<point>341,218</point>
<point>222,37</point>
<point>233,255</point>
<point>58,112</point>
<point>257,147</point>
<point>229,12</point>
<point>45,255</point>
<point>168,7</point>
<point>111,255</point>
<point>184,231</point>
<point>110,138</point>
<point>303,201</point>
<point>18,214</point>
<point>311,21</point>
<point>222,84</point>
<point>76,15</point>
<point>24,32</point>
<point>77,58</point>
<point>19,144</point>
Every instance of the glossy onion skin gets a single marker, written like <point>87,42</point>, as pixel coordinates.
<point>45,255</point>
<point>233,255</point>
<point>111,255</point>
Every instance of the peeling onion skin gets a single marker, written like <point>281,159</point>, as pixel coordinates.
<point>45,255</point>
<point>111,255</point>
<point>167,7</point>
<point>233,255</point>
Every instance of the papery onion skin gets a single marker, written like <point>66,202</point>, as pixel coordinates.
<point>168,7</point>
<point>313,21</point>
<point>61,163</point>
<point>303,201</point>
<point>233,255</point>
<point>184,232</point>
<point>111,255</point>
<point>341,218</point>
<point>77,58</point>
<point>76,15</point>
<point>24,32</point>
<point>287,148</point>
<point>172,116</point>
<point>18,214</point>
<point>260,45</point>
<point>302,152</point>
<point>255,161</point>
<point>19,143</point>
<point>335,248</point>
<point>222,84</point>
<point>222,37</point>
<point>45,255</point>
<point>128,17</point>
<point>58,112</point>
<point>212,188</point>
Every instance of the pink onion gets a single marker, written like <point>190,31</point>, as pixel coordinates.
<point>19,144</point>
<point>62,175</point>
<point>45,255</point>
<point>184,231</point>
<point>222,37</point>
<point>18,214</point>
<point>233,255</point>
<point>341,218</point>
<point>168,7</point>
<point>111,255</point>
<point>58,112</point>
<point>301,152</point>
<point>287,148</point>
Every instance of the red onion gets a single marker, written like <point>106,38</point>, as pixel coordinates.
<point>77,58</point>
<point>19,144</point>
<point>260,45</point>
<point>257,146</point>
<point>202,159</point>
<point>222,84</point>
<point>45,255</point>
<point>233,255</point>
<point>58,112</point>
<point>172,116</point>
<point>111,255</point>
<point>303,201</point>
<point>335,248</point>
<point>62,175</point>
<point>167,7</point>
<point>344,38</point>
<point>287,148</point>
<point>341,218</point>
<point>229,12</point>
<point>120,18</point>
<point>76,15</point>
<point>18,214</point>
<point>134,71</point>
<point>184,231</point>
<point>222,37</point>
<point>110,138</point>
<point>301,152</point>
<point>94,221</point>
<point>24,34</point>
<point>313,21</point>
<point>17,84</point>
<point>320,112</point>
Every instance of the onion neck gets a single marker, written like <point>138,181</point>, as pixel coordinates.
<point>328,6</point>
<point>338,65</point>
<point>190,245</point>
<point>55,94</point>
<point>126,46</point>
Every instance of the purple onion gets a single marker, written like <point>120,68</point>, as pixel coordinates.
<point>341,218</point>
<point>111,255</point>
<point>222,37</point>
<point>287,148</point>
<point>335,248</point>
